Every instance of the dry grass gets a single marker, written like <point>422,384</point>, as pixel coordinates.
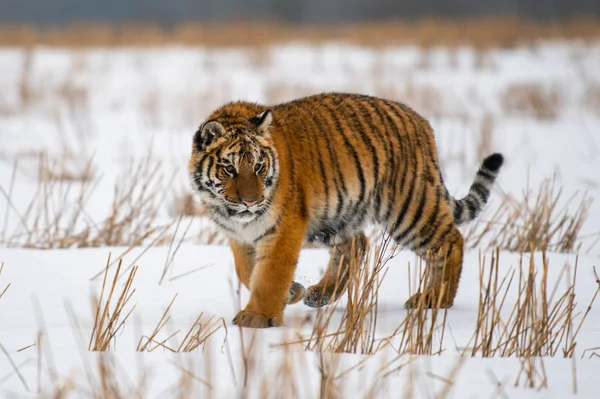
<point>195,337</point>
<point>57,216</point>
<point>421,332</point>
<point>591,98</point>
<point>542,220</point>
<point>187,204</point>
<point>542,323</point>
<point>7,286</point>
<point>502,31</point>
<point>67,166</point>
<point>532,100</point>
<point>355,332</point>
<point>109,317</point>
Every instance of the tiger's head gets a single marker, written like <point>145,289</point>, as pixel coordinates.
<point>233,166</point>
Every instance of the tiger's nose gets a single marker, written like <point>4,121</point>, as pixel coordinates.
<point>249,203</point>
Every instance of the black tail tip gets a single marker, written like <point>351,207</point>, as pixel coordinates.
<point>493,162</point>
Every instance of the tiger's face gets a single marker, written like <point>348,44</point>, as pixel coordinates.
<point>233,166</point>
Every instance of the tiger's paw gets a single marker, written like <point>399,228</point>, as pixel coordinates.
<point>297,292</point>
<point>428,300</point>
<point>317,296</point>
<point>246,318</point>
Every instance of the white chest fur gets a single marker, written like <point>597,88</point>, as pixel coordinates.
<point>246,232</point>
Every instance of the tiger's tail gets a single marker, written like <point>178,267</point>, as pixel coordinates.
<point>468,208</point>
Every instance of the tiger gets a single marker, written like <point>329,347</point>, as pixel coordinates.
<point>320,169</point>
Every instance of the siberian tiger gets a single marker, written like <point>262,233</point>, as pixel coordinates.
<point>320,168</point>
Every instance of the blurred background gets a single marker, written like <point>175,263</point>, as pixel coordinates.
<point>60,12</point>
<point>108,95</point>
<point>237,22</point>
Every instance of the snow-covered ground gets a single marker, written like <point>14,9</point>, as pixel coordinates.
<point>118,105</point>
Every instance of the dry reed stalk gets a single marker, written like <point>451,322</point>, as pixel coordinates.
<point>356,330</point>
<point>187,205</point>
<point>108,319</point>
<point>200,332</point>
<point>185,383</point>
<point>66,167</point>
<point>329,387</point>
<point>423,329</point>
<point>7,286</point>
<point>532,100</point>
<point>56,216</point>
<point>537,220</point>
<point>8,197</point>
<point>537,325</point>
<point>15,367</point>
<point>591,98</point>
<point>143,346</point>
<point>592,351</point>
<point>25,87</point>
<point>135,204</point>
<point>196,336</point>
<point>286,380</point>
<point>171,257</point>
<point>416,379</point>
<point>485,139</point>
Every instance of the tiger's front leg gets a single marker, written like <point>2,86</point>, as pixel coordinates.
<point>276,259</point>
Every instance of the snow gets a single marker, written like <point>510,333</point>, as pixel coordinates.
<point>134,103</point>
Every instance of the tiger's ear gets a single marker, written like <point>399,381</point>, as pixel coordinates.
<point>263,121</point>
<point>207,133</point>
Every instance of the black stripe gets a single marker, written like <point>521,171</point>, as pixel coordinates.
<point>416,218</point>
<point>268,232</point>
<point>211,163</point>
<point>387,145</point>
<point>339,181</point>
<point>302,202</point>
<point>338,101</point>
<point>417,131</point>
<point>365,122</point>
<point>486,175</point>
<point>350,148</point>
<point>442,237</point>
<point>273,164</point>
<point>406,204</point>
<point>430,224</point>
<point>404,158</point>
<point>291,162</point>
<point>319,157</point>
<point>472,207</point>
<point>458,211</point>
<point>222,226</point>
<point>481,190</point>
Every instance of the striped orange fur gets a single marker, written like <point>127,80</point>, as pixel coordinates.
<point>320,168</point>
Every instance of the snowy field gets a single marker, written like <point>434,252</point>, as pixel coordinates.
<point>93,151</point>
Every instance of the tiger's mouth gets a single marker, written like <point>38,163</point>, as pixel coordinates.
<point>239,212</point>
<point>236,212</point>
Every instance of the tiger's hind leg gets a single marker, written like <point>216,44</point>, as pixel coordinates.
<point>344,256</point>
<point>444,263</point>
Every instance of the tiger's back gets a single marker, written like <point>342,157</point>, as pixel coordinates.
<point>363,159</point>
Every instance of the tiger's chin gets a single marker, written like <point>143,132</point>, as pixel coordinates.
<point>244,215</point>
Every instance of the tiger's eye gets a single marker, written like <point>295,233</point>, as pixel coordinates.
<point>258,167</point>
<point>230,169</point>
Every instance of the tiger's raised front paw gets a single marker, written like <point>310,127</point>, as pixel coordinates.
<point>251,319</point>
